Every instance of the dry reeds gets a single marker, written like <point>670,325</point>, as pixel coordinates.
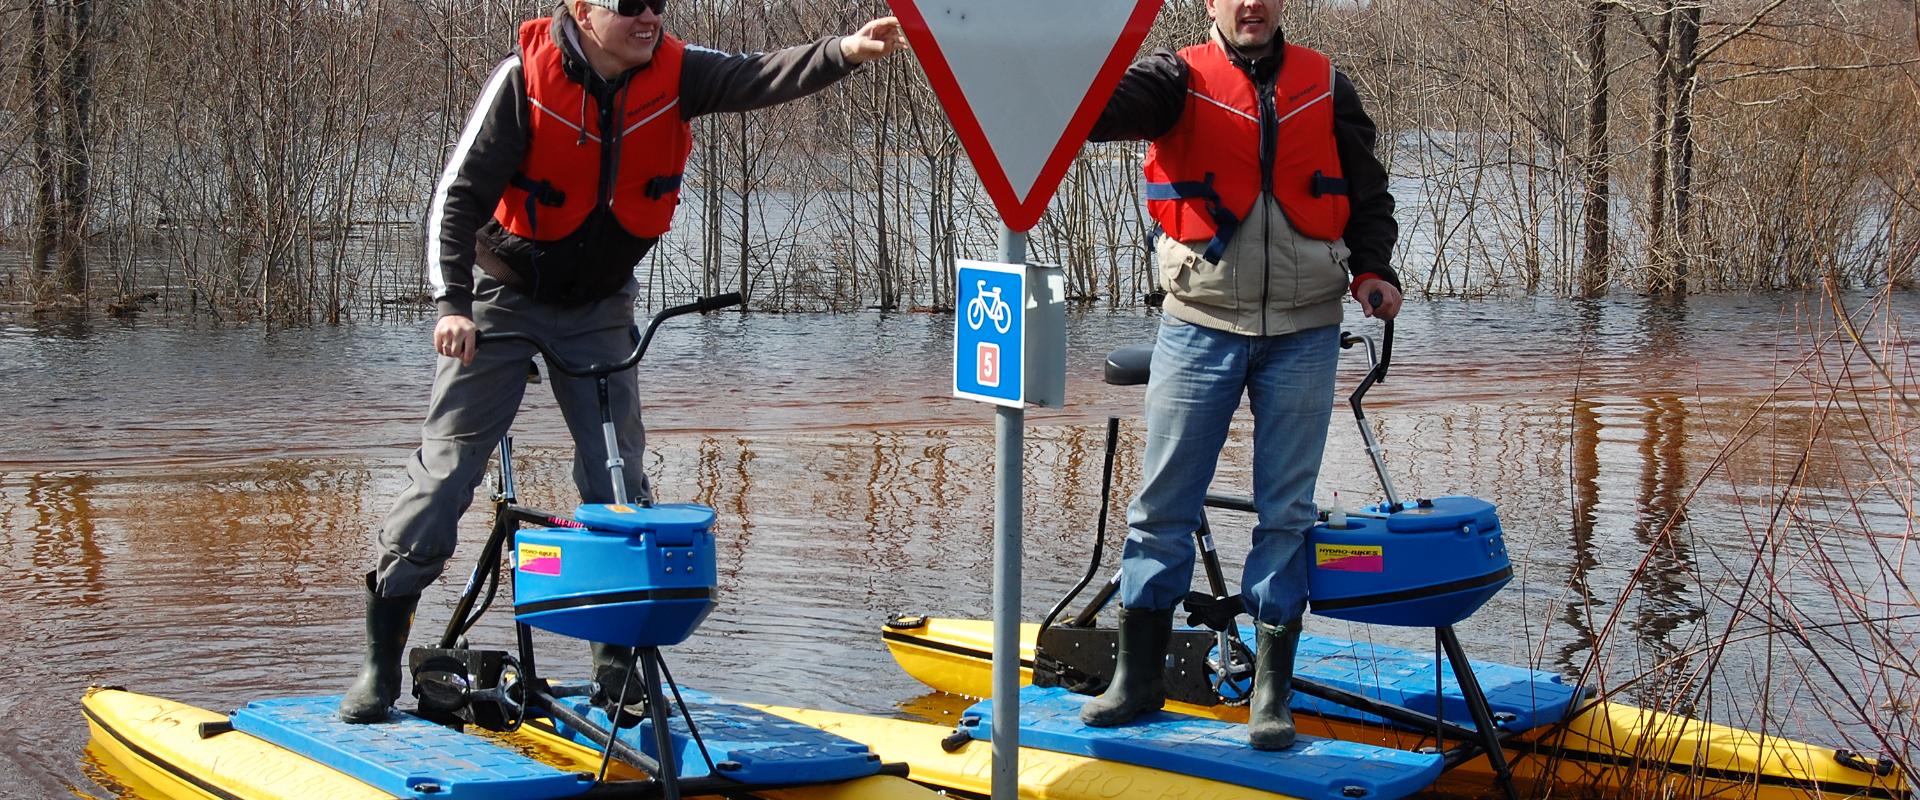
<point>1800,597</point>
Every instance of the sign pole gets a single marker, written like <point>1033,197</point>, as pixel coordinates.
<point>1022,105</point>
<point>1009,447</point>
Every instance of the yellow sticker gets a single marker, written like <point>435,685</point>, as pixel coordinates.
<point>1350,557</point>
<point>621,509</point>
<point>539,559</point>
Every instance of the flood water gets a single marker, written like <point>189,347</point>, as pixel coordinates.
<point>1719,494</point>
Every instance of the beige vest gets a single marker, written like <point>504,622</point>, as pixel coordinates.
<point>1271,281</point>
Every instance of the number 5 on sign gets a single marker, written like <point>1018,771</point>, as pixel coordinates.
<point>989,367</point>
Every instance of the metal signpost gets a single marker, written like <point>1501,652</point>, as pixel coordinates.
<point>1023,81</point>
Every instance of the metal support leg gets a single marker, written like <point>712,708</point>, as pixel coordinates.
<point>669,774</point>
<point>1477,706</point>
<point>544,703</point>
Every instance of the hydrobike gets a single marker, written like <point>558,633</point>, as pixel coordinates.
<point>1411,721</point>
<point>487,724</point>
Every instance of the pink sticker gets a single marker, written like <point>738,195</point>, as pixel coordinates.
<point>1356,564</point>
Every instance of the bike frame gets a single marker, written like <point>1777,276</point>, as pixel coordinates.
<point>1234,662</point>
<point>534,693</point>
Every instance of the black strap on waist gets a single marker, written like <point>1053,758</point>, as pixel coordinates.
<point>542,192</point>
<point>1323,185</point>
<point>539,193</point>
<point>1224,221</point>
<point>662,186</point>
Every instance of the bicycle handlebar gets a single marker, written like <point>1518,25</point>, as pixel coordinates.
<point>701,306</point>
<point>1378,372</point>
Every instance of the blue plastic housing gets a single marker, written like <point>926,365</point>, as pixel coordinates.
<point>636,576</point>
<point>1429,565</point>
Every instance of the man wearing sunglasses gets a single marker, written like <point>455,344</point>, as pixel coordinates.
<point>565,175</point>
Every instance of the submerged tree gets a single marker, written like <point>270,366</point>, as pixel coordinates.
<point>59,62</point>
<point>1599,156</point>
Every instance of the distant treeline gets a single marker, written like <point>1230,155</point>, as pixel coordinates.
<point>272,158</point>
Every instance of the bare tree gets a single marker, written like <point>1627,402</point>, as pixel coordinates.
<point>46,212</point>
<point>1599,155</point>
<point>59,63</point>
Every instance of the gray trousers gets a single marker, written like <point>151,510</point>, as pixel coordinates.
<point>473,406</point>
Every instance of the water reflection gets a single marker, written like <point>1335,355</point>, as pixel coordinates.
<point>1583,468</point>
<point>189,507</point>
<point>66,560</point>
<point>1649,586</point>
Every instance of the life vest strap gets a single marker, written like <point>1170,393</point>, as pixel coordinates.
<point>661,186</point>
<point>1224,222</point>
<point>542,192</point>
<point>1323,185</point>
<point>539,193</point>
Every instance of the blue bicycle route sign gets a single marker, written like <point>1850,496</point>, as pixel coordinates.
<point>989,333</point>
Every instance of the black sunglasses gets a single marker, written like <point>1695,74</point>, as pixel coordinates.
<point>632,8</point>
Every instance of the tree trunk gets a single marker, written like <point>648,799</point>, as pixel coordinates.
<point>1686,46</point>
<point>1593,276</point>
<point>46,211</point>
<point>889,297</point>
<point>76,169</point>
<point>746,208</point>
<point>711,208</point>
<point>1659,233</point>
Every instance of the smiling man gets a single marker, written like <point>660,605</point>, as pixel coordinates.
<point>565,175</point>
<point>1272,208</point>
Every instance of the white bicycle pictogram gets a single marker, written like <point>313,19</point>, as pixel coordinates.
<point>981,309</point>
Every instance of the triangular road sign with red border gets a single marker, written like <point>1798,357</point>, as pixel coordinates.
<point>1023,82</point>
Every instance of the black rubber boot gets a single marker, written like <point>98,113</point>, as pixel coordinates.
<point>1139,675</point>
<point>373,693</point>
<point>612,670</point>
<point>1269,719</point>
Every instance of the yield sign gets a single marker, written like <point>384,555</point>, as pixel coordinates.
<point>1023,82</point>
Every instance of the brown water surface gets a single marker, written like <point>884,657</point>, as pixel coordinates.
<point>186,509</point>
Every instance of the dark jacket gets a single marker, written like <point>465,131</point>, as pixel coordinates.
<point>598,258</point>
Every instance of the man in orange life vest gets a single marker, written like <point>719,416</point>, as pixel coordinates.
<point>1272,207</point>
<point>564,176</point>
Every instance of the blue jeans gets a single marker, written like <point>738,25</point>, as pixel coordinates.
<point>1197,378</point>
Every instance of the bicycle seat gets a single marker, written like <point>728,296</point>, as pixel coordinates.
<point>1128,366</point>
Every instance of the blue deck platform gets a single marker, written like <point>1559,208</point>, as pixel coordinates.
<point>408,756</point>
<point>1313,769</point>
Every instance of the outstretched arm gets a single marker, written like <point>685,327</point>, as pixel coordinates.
<point>716,82</point>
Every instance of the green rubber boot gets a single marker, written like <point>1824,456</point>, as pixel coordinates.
<point>1139,675</point>
<point>1269,719</point>
<point>373,692</point>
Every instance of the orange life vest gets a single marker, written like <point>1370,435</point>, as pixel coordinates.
<point>1204,176</point>
<point>558,183</point>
